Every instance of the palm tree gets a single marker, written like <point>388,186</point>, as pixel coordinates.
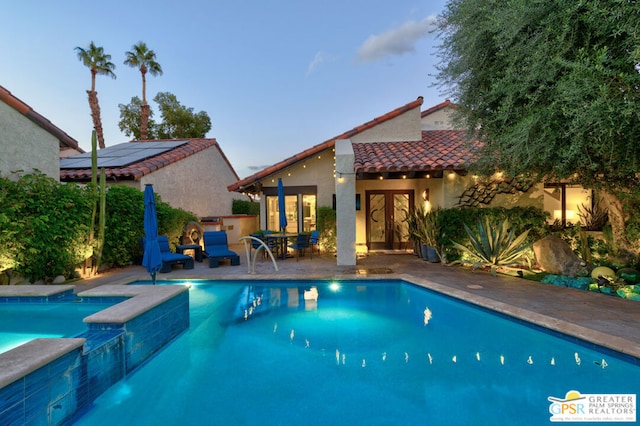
<point>145,60</point>
<point>99,63</point>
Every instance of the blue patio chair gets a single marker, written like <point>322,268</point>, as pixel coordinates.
<point>301,245</point>
<point>313,240</point>
<point>272,243</point>
<point>256,244</point>
<point>216,248</point>
<point>168,258</point>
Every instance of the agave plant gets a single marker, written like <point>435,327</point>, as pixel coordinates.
<point>494,245</point>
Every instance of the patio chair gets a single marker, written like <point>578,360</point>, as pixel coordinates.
<point>256,245</point>
<point>313,240</point>
<point>168,258</point>
<point>272,243</point>
<point>216,249</point>
<point>301,245</point>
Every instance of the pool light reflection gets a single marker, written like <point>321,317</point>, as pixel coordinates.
<point>334,286</point>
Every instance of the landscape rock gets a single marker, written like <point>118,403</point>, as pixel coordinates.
<point>59,279</point>
<point>556,257</point>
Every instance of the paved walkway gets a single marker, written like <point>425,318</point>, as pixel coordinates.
<point>605,320</point>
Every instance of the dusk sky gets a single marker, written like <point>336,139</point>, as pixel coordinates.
<point>276,77</point>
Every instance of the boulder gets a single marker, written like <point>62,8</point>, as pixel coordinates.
<point>555,256</point>
<point>603,271</point>
<point>59,279</point>
<point>630,275</point>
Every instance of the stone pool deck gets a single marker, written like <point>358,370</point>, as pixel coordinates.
<point>604,320</point>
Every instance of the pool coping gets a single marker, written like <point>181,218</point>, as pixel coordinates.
<point>142,299</point>
<point>34,290</point>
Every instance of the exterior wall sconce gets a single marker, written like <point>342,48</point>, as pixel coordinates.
<point>425,194</point>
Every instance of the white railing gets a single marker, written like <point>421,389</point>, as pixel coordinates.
<point>247,247</point>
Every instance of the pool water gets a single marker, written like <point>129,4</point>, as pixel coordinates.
<point>21,322</point>
<point>375,353</point>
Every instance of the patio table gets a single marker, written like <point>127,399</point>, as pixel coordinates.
<point>197,249</point>
<point>281,241</point>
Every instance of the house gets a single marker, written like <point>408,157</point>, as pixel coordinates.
<point>375,172</point>
<point>29,141</point>
<point>191,174</point>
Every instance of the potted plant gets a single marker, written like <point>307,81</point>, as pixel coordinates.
<point>432,232</point>
<point>428,231</point>
<point>411,219</point>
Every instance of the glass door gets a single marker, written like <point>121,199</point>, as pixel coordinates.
<point>386,219</point>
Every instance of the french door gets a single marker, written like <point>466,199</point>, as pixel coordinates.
<point>386,218</point>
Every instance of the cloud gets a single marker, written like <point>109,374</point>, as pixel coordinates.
<point>315,62</point>
<point>256,168</point>
<point>396,41</point>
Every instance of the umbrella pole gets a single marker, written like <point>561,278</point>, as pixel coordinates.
<point>153,278</point>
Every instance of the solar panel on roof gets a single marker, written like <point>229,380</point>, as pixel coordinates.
<point>120,155</point>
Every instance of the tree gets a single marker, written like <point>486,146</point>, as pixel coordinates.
<point>130,120</point>
<point>551,88</point>
<point>145,60</point>
<point>178,121</point>
<point>98,62</point>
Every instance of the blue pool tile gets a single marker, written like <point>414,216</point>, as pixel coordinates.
<point>35,407</point>
<point>36,380</point>
<point>13,415</point>
<point>11,394</point>
<point>66,362</point>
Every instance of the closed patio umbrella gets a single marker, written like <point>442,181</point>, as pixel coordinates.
<point>151,259</point>
<point>281,206</point>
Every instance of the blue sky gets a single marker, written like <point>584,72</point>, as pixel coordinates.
<point>276,77</point>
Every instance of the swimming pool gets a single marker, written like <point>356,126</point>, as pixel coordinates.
<point>364,352</point>
<point>23,321</point>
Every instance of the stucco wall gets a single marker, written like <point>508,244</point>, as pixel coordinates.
<point>26,146</point>
<point>197,184</point>
<point>405,127</point>
<point>439,120</point>
<point>316,171</point>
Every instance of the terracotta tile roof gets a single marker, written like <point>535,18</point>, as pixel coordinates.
<point>328,144</point>
<point>438,150</point>
<point>66,141</point>
<point>438,107</point>
<point>141,168</point>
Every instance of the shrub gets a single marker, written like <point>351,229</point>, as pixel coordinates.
<point>125,218</point>
<point>327,228</point>
<point>245,207</point>
<point>45,226</point>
